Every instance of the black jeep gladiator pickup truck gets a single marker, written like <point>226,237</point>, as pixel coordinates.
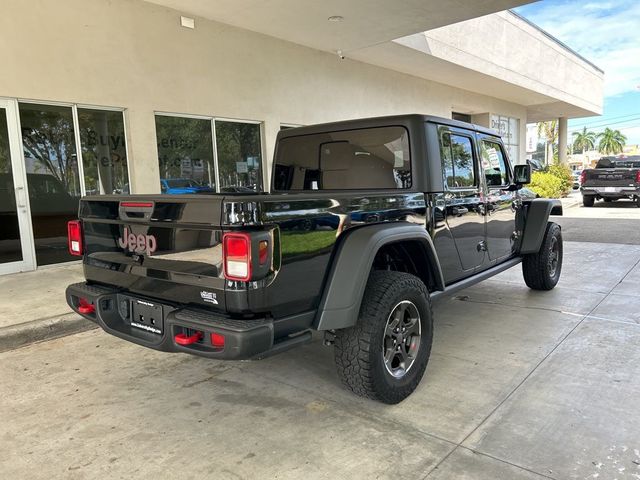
<point>613,178</point>
<point>368,222</point>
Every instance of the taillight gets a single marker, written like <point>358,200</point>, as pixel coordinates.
<point>583,176</point>
<point>74,230</point>
<point>236,256</point>
<point>638,176</point>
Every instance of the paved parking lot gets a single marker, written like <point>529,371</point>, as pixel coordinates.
<point>521,385</point>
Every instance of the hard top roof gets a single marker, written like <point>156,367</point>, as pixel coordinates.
<point>373,122</point>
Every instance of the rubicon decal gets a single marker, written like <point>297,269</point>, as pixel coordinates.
<point>137,243</point>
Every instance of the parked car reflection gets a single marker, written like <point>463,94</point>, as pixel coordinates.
<point>181,186</point>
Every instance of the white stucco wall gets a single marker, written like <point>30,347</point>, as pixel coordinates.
<point>505,46</point>
<point>135,55</point>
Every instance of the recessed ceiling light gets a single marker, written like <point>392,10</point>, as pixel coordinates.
<point>335,18</point>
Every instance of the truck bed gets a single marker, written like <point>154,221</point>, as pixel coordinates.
<point>185,231</point>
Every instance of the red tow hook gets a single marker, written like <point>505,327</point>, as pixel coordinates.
<point>182,339</point>
<point>86,308</point>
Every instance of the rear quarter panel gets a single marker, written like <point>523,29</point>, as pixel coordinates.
<point>309,226</point>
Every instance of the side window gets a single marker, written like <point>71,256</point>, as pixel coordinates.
<point>494,164</point>
<point>457,160</point>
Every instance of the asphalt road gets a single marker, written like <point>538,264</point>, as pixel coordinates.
<point>614,222</point>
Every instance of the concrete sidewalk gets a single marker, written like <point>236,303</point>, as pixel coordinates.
<point>521,385</point>
<point>34,308</point>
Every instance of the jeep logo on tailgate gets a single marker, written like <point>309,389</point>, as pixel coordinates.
<point>137,243</point>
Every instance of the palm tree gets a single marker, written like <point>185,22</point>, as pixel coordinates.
<point>548,130</point>
<point>611,141</point>
<point>584,140</point>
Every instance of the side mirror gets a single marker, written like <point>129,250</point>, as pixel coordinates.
<point>522,174</point>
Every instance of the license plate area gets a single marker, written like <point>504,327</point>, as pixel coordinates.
<point>147,316</point>
<point>609,189</point>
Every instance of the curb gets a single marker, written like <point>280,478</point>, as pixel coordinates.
<point>16,336</point>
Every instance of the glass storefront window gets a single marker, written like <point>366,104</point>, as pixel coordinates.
<point>239,156</point>
<point>509,129</point>
<point>52,177</point>
<point>185,155</point>
<point>104,152</point>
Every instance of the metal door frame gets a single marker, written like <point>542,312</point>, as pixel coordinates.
<point>23,207</point>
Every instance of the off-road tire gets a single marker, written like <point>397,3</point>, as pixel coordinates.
<point>358,350</point>
<point>536,267</point>
<point>588,200</point>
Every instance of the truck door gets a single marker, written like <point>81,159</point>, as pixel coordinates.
<point>500,203</point>
<point>463,203</point>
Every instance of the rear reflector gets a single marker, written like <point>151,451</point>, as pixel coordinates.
<point>236,255</point>
<point>74,231</point>
<point>263,251</point>
<point>217,340</point>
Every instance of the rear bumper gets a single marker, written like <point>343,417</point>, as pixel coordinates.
<point>243,339</point>
<point>611,192</point>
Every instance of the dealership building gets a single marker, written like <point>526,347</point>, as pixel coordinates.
<point>178,96</point>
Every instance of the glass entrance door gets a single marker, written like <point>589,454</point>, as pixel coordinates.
<point>16,249</point>
<point>53,178</point>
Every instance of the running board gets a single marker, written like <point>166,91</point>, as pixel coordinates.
<point>476,278</point>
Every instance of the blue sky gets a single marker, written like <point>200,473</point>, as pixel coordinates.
<point>607,33</point>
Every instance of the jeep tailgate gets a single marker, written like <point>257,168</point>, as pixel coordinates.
<point>165,246</point>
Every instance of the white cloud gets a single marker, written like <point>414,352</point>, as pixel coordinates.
<point>605,33</point>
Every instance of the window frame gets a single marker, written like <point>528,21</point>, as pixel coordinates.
<point>476,177</point>
<point>212,121</point>
<point>409,189</point>
<point>76,132</point>
<point>509,171</point>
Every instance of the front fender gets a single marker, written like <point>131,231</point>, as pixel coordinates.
<point>538,211</point>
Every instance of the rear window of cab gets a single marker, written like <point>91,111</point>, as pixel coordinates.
<point>360,159</point>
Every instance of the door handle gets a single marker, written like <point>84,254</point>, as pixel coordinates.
<point>22,203</point>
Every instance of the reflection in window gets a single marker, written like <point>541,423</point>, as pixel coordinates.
<point>185,152</point>
<point>494,165</point>
<point>239,156</point>
<point>53,181</point>
<point>104,153</point>
<point>457,156</point>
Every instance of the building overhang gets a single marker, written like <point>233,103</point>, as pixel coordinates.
<point>365,22</point>
<point>473,45</point>
<point>502,56</point>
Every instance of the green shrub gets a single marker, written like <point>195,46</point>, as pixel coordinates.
<point>547,185</point>
<point>563,172</point>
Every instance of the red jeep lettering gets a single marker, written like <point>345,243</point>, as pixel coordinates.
<point>137,243</point>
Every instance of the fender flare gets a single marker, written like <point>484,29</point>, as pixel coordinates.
<point>351,265</point>
<point>538,211</point>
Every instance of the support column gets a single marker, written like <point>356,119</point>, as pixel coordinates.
<point>562,140</point>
